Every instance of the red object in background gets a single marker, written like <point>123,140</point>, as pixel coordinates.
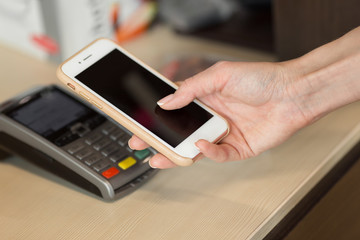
<point>114,16</point>
<point>46,43</point>
<point>135,24</point>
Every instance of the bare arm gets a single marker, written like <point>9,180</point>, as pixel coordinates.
<point>266,103</point>
<point>330,76</point>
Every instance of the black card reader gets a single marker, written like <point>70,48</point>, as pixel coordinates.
<point>62,134</point>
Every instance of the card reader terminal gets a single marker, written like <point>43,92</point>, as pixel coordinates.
<point>64,135</point>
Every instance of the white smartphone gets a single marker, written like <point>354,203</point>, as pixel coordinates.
<point>127,90</point>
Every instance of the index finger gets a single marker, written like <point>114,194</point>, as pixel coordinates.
<point>200,85</point>
<point>136,143</point>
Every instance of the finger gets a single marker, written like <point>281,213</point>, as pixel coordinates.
<point>136,143</point>
<point>157,161</point>
<point>200,85</point>
<point>178,83</point>
<point>218,152</point>
<point>161,162</point>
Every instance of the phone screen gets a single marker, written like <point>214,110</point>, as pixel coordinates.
<point>135,91</point>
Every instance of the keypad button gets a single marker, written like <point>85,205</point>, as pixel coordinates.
<point>127,163</point>
<point>84,153</point>
<point>72,149</point>
<point>142,154</point>
<point>111,172</point>
<point>66,139</point>
<point>93,138</point>
<point>95,121</point>
<point>93,159</point>
<point>109,129</point>
<point>119,155</point>
<point>82,131</point>
<point>115,135</point>
<point>123,140</point>
<point>101,165</point>
<point>110,149</point>
<point>129,149</point>
<point>101,144</point>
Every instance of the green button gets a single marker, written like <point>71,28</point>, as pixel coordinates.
<point>142,154</point>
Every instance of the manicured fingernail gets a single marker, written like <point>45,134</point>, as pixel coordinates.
<point>197,147</point>
<point>130,145</point>
<point>165,99</point>
<point>151,165</point>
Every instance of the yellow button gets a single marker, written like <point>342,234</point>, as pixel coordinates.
<point>126,163</point>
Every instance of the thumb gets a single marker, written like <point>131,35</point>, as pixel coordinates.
<point>200,85</point>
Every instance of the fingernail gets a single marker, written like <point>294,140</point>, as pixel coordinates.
<point>151,165</point>
<point>130,145</point>
<point>165,99</point>
<point>197,147</point>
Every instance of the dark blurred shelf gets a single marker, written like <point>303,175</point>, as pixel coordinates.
<point>336,215</point>
<point>287,28</point>
<point>331,209</point>
<point>248,27</point>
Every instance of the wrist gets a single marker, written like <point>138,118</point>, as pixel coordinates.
<point>328,88</point>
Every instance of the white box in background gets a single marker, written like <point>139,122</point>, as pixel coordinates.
<point>56,29</point>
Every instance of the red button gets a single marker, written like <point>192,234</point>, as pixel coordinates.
<point>110,172</point>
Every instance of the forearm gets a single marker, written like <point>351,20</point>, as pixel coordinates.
<point>327,54</point>
<point>329,77</point>
<point>333,86</point>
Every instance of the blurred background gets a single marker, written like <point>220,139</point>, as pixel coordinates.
<point>55,29</point>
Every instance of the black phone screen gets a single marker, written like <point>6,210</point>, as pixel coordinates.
<point>135,91</point>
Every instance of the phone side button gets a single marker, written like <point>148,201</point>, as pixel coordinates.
<point>96,104</point>
<point>72,87</point>
<point>83,95</point>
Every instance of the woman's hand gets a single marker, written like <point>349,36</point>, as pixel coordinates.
<point>253,97</point>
